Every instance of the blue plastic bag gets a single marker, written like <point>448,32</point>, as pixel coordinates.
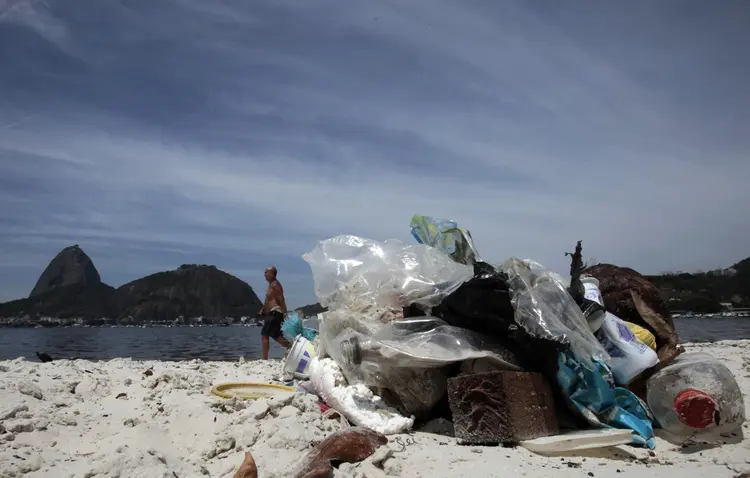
<point>594,395</point>
<point>292,327</point>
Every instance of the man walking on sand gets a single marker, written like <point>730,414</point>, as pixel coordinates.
<point>275,307</point>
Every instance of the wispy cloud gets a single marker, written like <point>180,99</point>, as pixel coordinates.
<point>240,133</point>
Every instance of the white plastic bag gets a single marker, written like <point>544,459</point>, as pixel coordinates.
<point>356,402</point>
<point>354,272</point>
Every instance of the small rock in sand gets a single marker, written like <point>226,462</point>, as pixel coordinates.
<point>32,464</point>
<point>380,456</point>
<point>392,468</point>
<point>289,412</point>
<point>131,422</point>
<point>11,413</point>
<point>248,437</point>
<point>66,420</point>
<point>31,389</point>
<point>41,424</point>
<point>221,445</point>
<point>4,368</point>
<point>71,386</point>
<point>280,401</point>
<point>306,402</point>
<point>258,410</point>
<point>291,435</point>
<point>21,426</point>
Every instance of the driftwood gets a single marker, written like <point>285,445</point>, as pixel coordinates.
<point>576,268</point>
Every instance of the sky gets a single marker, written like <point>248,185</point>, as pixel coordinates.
<point>236,133</point>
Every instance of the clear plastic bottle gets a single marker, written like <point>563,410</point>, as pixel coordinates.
<point>695,395</point>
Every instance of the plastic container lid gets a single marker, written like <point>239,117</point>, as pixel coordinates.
<point>590,280</point>
<point>694,408</point>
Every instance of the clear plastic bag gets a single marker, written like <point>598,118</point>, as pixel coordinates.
<point>544,308</point>
<point>403,358</point>
<point>354,272</point>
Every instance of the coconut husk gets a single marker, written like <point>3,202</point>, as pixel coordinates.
<point>616,283</point>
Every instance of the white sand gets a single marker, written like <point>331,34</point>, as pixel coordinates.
<point>64,419</point>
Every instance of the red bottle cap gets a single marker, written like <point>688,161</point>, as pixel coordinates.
<point>694,408</point>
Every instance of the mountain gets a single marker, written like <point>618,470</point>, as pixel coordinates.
<point>91,301</point>
<point>71,266</point>
<point>191,291</point>
<point>70,286</point>
<point>310,310</point>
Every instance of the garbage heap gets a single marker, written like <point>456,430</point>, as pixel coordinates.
<point>509,353</point>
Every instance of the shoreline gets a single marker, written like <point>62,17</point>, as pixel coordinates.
<point>108,418</point>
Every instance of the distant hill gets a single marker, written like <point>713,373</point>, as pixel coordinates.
<point>70,286</point>
<point>704,291</point>
<point>89,301</point>
<point>310,310</point>
<point>191,291</point>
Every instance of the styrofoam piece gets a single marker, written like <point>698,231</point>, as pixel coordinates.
<point>579,440</point>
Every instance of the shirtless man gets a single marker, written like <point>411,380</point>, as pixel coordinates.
<point>275,307</point>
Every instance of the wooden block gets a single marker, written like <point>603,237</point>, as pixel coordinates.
<point>501,407</point>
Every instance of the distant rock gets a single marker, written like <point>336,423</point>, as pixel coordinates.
<point>71,287</point>
<point>310,310</point>
<point>91,301</point>
<point>189,291</point>
<point>71,266</point>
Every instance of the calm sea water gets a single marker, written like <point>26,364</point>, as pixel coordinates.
<point>230,343</point>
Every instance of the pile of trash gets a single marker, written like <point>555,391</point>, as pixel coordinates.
<point>509,353</point>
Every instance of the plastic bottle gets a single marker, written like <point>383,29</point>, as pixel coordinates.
<point>695,395</point>
<point>591,289</point>
<point>595,314</point>
<point>629,357</point>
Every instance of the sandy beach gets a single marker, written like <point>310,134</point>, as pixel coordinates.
<point>108,419</point>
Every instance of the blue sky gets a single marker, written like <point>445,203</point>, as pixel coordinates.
<point>236,133</point>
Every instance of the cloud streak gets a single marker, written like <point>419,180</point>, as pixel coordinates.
<point>239,134</point>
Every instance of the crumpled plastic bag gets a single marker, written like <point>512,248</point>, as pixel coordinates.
<point>593,394</point>
<point>447,236</point>
<point>404,358</point>
<point>544,308</point>
<point>354,272</point>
